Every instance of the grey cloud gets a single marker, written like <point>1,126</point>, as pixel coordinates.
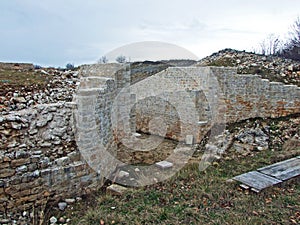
<point>53,32</point>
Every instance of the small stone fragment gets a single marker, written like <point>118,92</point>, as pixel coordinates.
<point>164,164</point>
<point>116,189</point>
<point>189,139</point>
<point>61,220</point>
<point>62,205</point>
<point>123,174</point>
<point>70,200</point>
<point>53,220</point>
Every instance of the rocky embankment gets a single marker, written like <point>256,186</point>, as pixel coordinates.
<point>56,85</point>
<point>269,67</point>
<point>47,85</point>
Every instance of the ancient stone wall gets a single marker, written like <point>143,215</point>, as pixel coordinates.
<point>39,159</point>
<point>44,156</point>
<point>219,95</point>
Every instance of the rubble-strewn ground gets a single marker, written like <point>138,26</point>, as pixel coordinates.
<point>22,89</point>
<point>193,197</point>
<point>269,67</point>
<point>198,197</point>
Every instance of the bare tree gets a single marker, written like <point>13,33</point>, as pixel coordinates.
<point>295,33</point>
<point>121,59</point>
<point>70,66</point>
<point>291,48</point>
<point>270,45</point>
<point>103,59</point>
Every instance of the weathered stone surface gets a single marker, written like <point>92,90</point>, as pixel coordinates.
<point>243,97</point>
<point>22,169</point>
<point>189,140</point>
<point>5,221</point>
<point>123,174</point>
<point>62,205</point>
<point>164,164</point>
<point>19,162</point>
<point>70,200</point>
<point>21,193</point>
<point>7,172</point>
<point>41,160</point>
<point>116,189</point>
<point>62,161</point>
<point>271,67</point>
<point>53,220</point>
<point>257,180</point>
<point>4,165</point>
<point>283,170</point>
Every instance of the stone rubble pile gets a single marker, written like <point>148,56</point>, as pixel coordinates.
<point>250,139</point>
<point>270,67</point>
<point>60,87</point>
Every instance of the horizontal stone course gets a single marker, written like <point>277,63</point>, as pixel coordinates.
<point>241,97</point>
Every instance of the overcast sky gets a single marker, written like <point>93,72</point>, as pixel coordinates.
<point>56,32</point>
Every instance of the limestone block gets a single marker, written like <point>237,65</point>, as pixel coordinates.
<point>7,172</point>
<point>164,165</point>
<point>116,189</point>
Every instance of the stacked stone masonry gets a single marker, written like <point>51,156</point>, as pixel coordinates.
<point>220,95</point>
<point>40,160</point>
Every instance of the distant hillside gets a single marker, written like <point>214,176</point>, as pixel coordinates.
<point>269,67</point>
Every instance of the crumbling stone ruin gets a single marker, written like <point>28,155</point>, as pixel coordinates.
<point>40,159</point>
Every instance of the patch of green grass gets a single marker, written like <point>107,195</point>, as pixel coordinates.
<point>194,197</point>
<point>15,79</point>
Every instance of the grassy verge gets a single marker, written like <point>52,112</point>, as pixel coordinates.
<point>14,79</point>
<point>193,197</point>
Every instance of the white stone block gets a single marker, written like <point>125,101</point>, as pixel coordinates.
<point>202,123</point>
<point>189,139</point>
<point>164,164</point>
<point>137,135</point>
<point>123,174</point>
<point>116,189</point>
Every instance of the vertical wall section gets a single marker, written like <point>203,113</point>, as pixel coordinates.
<point>220,95</point>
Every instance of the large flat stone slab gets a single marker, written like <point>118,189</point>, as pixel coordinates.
<point>257,180</point>
<point>283,170</point>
